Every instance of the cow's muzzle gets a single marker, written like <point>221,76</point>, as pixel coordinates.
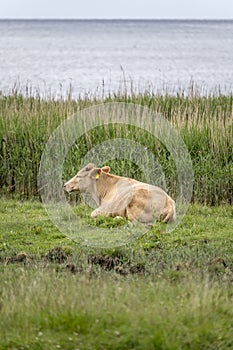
<point>67,187</point>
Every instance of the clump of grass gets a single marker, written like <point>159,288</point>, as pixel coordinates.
<point>204,122</point>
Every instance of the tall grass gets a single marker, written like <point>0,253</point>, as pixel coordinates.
<point>49,310</point>
<point>204,122</point>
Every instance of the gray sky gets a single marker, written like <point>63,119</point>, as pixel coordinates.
<point>207,9</point>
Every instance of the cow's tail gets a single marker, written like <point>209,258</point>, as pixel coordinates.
<point>169,211</point>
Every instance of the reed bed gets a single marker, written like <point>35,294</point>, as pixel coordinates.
<point>204,122</point>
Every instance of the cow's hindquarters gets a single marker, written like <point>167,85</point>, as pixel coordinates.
<point>149,204</point>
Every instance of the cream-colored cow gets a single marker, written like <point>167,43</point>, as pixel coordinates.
<point>122,196</point>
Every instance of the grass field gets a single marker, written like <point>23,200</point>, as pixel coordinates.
<point>163,291</point>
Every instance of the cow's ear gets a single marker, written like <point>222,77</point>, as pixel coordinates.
<point>89,166</point>
<point>106,169</point>
<point>95,173</point>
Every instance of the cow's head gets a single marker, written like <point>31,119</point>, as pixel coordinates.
<point>86,178</point>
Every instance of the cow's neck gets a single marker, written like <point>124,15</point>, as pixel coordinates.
<point>104,184</point>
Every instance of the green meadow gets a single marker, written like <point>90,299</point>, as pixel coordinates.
<point>162,290</point>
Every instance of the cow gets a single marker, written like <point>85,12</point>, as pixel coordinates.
<point>122,196</point>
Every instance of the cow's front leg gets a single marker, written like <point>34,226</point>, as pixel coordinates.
<point>94,213</point>
<point>98,211</point>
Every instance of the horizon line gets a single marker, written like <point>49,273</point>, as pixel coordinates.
<point>111,19</point>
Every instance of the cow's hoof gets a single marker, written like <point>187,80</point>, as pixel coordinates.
<point>94,214</point>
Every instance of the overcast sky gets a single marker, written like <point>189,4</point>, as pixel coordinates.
<point>200,9</point>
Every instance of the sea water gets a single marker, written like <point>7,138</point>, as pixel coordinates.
<point>102,56</point>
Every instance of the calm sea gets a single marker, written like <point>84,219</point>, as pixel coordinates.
<point>97,55</point>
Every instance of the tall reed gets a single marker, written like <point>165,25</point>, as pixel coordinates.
<point>204,122</point>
